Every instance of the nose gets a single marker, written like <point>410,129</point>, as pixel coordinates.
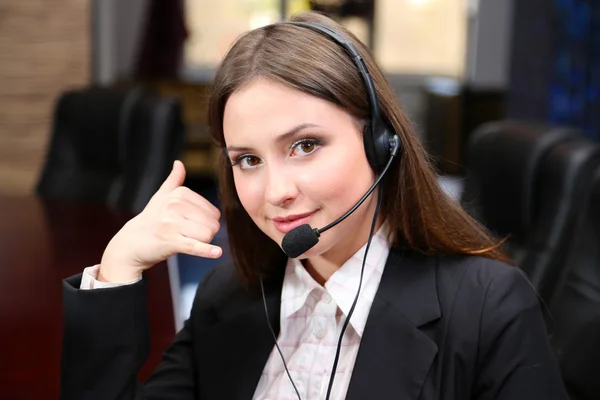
<point>281,188</point>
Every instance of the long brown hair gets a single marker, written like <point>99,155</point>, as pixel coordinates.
<point>421,216</point>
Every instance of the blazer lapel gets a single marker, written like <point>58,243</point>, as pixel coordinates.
<point>246,342</point>
<point>395,356</point>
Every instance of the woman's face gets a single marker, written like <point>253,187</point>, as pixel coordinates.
<point>298,159</point>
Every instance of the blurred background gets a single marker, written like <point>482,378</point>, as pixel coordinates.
<point>98,97</point>
<point>434,52</point>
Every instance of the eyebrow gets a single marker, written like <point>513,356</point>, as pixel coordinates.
<point>279,139</point>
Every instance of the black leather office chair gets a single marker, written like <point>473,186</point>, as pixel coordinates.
<point>575,310</point>
<point>156,139</point>
<point>561,192</point>
<point>526,182</point>
<point>111,147</point>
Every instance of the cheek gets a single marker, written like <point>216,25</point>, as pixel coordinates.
<point>338,179</point>
<point>249,192</point>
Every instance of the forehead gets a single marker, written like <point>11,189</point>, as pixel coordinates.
<point>263,109</point>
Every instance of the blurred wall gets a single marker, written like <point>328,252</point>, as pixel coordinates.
<point>44,48</point>
<point>118,25</point>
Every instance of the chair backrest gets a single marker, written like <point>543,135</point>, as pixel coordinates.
<point>503,161</point>
<point>575,310</point>
<point>156,138</point>
<point>109,146</point>
<point>561,190</point>
<point>84,155</point>
<point>525,182</point>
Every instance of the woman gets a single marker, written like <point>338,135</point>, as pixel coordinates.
<point>422,298</point>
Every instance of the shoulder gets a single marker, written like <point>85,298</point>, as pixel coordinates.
<point>480,297</point>
<point>219,282</point>
<point>222,283</point>
<point>483,291</point>
<point>478,292</point>
<point>223,294</point>
<point>483,276</point>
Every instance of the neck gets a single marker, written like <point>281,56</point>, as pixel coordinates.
<point>323,266</point>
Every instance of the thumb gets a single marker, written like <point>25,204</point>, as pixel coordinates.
<point>175,178</point>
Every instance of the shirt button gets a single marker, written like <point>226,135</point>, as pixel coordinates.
<point>320,333</point>
<point>326,297</point>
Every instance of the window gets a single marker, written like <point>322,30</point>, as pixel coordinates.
<point>214,25</point>
<point>422,37</point>
<point>425,37</point>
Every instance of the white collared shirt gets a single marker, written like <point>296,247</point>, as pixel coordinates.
<point>311,318</point>
<point>311,325</point>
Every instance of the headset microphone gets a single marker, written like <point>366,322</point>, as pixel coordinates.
<point>302,238</point>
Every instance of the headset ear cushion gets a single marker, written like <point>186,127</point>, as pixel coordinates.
<point>378,145</point>
<point>369,145</point>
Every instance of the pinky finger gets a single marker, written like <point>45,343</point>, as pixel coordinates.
<point>197,248</point>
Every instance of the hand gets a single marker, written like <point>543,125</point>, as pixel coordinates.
<point>176,220</point>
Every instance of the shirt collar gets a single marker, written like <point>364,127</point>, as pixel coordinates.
<point>299,288</point>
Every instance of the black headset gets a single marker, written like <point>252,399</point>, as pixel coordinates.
<point>378,136</point>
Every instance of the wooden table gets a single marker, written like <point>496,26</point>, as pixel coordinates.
<point>42,242</point>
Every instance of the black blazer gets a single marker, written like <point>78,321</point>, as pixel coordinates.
<point>452,328</point>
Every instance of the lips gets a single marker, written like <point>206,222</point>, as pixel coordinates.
<point>287,223</point>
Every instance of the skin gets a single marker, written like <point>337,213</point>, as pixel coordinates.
<point>292,153</point>
<point>278,174</point>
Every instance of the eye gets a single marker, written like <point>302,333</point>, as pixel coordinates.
<point>304,147</point>
<point>246,161</point>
